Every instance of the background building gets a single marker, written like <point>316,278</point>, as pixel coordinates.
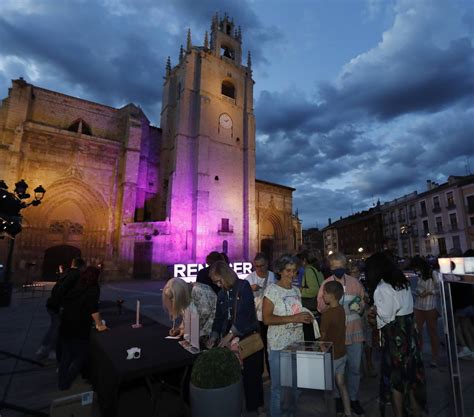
<point>138,198</point>
<point>358,235</point>
<point>313,241</point>
<point>430,223</point>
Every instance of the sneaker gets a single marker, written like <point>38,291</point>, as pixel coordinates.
<point>339,406</point>
<point>42,353</point>
<point>465,353</point>
<point>357,408</point>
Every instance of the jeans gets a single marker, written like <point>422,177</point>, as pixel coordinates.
<point>354,356</point>
<point>275,398</point>
<point>276,388</point>
<point>74,353</point>
<point>50,339</point>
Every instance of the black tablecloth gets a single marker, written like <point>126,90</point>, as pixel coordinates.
<point>110,367</point>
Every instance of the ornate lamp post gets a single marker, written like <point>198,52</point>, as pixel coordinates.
<point>11,204</point>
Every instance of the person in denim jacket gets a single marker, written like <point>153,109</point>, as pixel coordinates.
<point>236,318</point>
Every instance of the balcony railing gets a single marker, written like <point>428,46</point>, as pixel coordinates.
<point>439,230</point>
<point>401,219</point>
<point>412,216</point>
<point>437,209</point>
<point>451,206</point>
<point>470,209</point>
<point>454,228</point>
<point>424,213</point>
<point>225,230</point>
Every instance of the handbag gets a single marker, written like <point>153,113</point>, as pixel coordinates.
<point>250,344</point>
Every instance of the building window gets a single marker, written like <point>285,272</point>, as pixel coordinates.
<point>428,246</point>
<point>412,212</point>
<point>470,204</point>
<point>416,247</point>
<point>225,226</point>
<point>80,126</point>
<point>439,224</point>
<point>401,215</point>
<point>456,242</point>
<point>436,206</point>
<point>454,221</point>
<point>426,228</point>
<point>405,247</point>
<point>471,220</point>
<point>228,89</point>
<point>423,208</point>
<point>227,52</point>
<point>225,247</point>
<point>450,199</point>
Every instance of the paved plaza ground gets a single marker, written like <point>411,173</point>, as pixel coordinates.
<point>23,324</point>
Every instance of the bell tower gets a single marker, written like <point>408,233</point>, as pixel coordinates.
<point>208,148</point>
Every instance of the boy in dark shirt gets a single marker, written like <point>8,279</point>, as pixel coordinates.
<point>333,329</point>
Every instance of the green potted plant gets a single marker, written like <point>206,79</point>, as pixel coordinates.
<point>216,388</point>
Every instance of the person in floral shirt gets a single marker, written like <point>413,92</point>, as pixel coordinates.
<point>283,314</point>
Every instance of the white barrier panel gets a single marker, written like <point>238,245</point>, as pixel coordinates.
<point>188,272</point>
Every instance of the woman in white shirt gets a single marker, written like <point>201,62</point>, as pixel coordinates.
<point>426,302</point>
<point>283,314</point>
<point>402,372</point>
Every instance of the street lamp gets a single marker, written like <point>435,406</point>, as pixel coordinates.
<point>361,249</point>
<point>11,204</point>
<point>405,232</point>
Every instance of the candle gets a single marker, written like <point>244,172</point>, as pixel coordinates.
<point>137,324</point>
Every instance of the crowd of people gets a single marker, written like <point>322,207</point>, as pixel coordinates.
<point>357,307</point>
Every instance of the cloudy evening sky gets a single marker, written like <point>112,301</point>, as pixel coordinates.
<point>355,100</point>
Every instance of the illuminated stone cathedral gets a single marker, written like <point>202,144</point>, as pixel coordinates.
<point>138,198</point>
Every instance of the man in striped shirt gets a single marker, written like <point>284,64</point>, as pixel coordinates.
<point>353,303</point>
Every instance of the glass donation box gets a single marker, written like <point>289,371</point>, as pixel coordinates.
<point>307,365</point>
<point>456,274</point>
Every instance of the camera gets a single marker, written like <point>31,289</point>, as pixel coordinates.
<point>134,353</point>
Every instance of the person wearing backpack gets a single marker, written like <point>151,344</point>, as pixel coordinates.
<point>64,284</point>
<point>310,283</point>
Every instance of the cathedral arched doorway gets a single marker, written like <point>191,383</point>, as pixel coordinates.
<point>266,246</point>
<point>55,256</point>
<point>270,236</point>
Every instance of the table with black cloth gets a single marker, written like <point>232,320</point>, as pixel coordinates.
<point>110,369</point>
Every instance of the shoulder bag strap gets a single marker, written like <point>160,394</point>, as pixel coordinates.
<point>235,303</point>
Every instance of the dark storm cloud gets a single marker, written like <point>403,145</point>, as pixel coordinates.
<point>414,80</point>
<point>112,51</point>
<point>396,115</point>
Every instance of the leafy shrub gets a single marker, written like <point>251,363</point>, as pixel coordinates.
<point>215,368</point>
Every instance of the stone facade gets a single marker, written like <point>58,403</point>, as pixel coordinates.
<point>137,198</point>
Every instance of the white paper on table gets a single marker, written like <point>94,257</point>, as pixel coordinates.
<point>173,337</point>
